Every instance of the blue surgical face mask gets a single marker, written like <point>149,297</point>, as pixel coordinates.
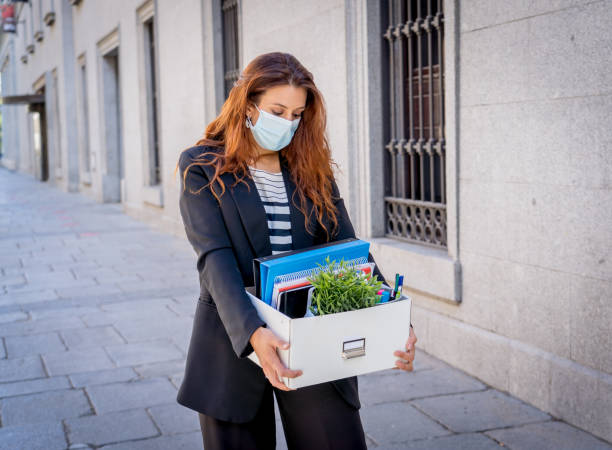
<point>272,132</point>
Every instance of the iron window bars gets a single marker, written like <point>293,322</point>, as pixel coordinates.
<point>415,201</point>
<point>231,58</point>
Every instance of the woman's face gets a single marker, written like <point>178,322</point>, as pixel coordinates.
<point>284,101</point>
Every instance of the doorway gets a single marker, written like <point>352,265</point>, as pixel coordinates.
<point>39,130</point>
<point>113,184</point>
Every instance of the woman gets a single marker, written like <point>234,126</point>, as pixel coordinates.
<point>261,183</point>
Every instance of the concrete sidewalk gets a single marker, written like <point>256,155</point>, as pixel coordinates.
<point>96,311</point>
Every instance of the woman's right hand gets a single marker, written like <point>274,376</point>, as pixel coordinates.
<point>265,343</point>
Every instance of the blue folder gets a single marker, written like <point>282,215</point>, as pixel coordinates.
<point>267,268</point>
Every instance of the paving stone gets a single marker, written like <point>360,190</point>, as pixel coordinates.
<point>183,309</point>
<point>117,278</point>
<point>57,310</point>
<point>477,411</point>
<point>42,258</point>
<point>13,285</point>
<point>137,306</point>
<point>21,369</point>
<point>145,329</point>
<point>5,309</point>
<point>9,261</point>
<point>33,344</point>
<point>40,326</point>
<point>464,441</point>
<point>424,361</point>
<point>177,380</point>
<point>33,386</point>
<point>39,436</point>
<point>185,441</point>
<point>145,284</point>
<point>91,337</point>
<point>103,377</point>
<point>135,394</point>
<point>143,352</point>
<point>44,407</point>
<point>187,299</point>
<point>110,428</point>
<point>281,442</point>
<point>22,298</point>
<point>375,388</point>
<point>165,368</point>
<point>49,284</point>
<point>15,316</point>
<point>118,317</point>
<point>552,435</point>
<point>58,276</point>
<point>73,291</point>
<point>398,422</point>
<point>370,442</point>
<point>74,361</point>
<point>174,418</point>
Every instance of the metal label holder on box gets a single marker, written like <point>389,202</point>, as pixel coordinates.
<point>340,345</point>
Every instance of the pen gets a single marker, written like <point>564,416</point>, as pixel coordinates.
<point>401,284</point>
<point>395,287</point>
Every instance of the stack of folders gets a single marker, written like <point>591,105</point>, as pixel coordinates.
<point>292,267</point>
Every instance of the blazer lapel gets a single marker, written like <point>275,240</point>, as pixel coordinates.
<point>253,214</point>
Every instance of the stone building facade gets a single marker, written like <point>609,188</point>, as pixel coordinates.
<point>473,138</point>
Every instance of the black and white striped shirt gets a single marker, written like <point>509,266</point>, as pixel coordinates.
<point>273,193</point>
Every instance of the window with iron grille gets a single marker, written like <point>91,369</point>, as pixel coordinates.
<point>231,57</point>
<point>415,201</point>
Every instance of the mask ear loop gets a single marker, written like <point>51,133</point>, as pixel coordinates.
<point>248,122</point>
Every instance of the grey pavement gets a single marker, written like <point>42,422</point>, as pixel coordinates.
<point>95,317</point>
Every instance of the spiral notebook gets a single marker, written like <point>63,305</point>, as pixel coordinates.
<point>267,268</point>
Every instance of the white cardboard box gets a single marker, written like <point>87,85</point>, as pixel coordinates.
<point>340,345</point>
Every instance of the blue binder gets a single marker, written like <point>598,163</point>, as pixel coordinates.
<point>267,268</point>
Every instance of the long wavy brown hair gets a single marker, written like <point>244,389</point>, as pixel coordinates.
<point>308,154</point>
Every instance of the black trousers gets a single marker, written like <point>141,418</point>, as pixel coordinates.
<point>313,417</point>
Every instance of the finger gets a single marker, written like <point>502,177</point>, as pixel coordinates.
<point>283,345</point>
<point>274,381</point>
<point>280,384</point>
<point>281,369</point>
<point>289,373</point>
<point>401,354</point>
<point>404,365</point>
<point>284,371</point>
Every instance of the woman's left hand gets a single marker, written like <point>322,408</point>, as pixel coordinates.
<point>407,357</point>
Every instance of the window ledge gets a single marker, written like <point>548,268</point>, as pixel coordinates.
<point>425,269</point>
<point>153,195</point>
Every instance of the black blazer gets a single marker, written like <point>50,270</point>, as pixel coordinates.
<point>219,379</point>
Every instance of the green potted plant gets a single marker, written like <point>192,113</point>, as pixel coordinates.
<point>340,287</point>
